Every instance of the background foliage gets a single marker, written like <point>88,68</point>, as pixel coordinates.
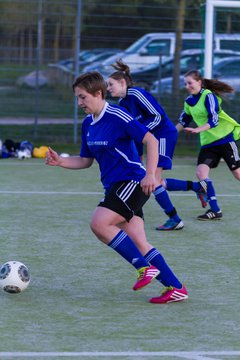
<point>36,33</point>
<point>107,23</point>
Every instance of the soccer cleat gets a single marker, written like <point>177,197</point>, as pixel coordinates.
<point>171,294</point>
<point>210,215</point>
<point>171,224</point>
<point>202,194</point>
<point>145,275</point>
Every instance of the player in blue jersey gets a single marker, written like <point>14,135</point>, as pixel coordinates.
<point>144,107</point>
<point>109,134</point>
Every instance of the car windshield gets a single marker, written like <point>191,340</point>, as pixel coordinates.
<point>227,67</point>
<point>86,55</point>
<point>136,45</point>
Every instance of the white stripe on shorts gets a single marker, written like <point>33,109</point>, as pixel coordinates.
<point>235,150</point>
<point>128,190</point>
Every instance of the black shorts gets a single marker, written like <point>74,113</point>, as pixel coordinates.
<point>211,156</point>
<point>126,198</point>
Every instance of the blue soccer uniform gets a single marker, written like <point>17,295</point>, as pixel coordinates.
<point>144,107</point>
<point>109,140</point>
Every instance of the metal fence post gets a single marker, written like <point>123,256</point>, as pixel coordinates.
<point>77,50</point>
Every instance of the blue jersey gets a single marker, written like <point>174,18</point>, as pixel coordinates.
<point>145,108</point>
<point>110,140</point>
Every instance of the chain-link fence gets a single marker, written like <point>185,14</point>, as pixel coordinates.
<point>41,39</point>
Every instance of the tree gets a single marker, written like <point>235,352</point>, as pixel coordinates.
<point>178,48</point>
<point>60,19</point>
<point>15,20</point>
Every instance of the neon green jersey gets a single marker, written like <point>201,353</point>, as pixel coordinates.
<point>226,125</point>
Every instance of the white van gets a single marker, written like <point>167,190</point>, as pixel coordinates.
<point>150,47</point>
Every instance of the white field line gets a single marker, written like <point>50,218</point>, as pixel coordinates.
<point>42,163</point>
<point>51,192</point>
<point>192,355</point>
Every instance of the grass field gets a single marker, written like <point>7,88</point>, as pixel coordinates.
<point>79,303</point>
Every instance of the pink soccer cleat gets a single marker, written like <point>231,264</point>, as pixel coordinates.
<point>171,294</point>
<point>145,275</point>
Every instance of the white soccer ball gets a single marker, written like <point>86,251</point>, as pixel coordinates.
<point>24,154</point>
<point>14,277</point>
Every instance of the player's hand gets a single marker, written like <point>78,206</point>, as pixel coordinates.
<point>191,130</point>
<point>148,184</point>
<point>52,158</point>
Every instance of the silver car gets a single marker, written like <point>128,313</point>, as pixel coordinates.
<point>226,70</point>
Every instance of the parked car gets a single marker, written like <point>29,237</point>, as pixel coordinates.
<point>149,48</point>
<point>86,57</point>
<point>190,59</point>
<point>226,70</point>
<point>154,46</point>
<point>101,65</point>
<point>105,67</point>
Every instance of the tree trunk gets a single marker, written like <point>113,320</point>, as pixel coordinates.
<point>178,47</point>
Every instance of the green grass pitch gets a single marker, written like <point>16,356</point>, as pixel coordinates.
<point>80,297</point>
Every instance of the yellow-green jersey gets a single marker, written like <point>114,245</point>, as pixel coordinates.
<point>205,107</point>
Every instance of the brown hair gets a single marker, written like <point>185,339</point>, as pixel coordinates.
<point>122,72</point>
<point>92,82</point>
<point>214,85</point>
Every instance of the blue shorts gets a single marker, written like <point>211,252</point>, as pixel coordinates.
<point>167,143</point>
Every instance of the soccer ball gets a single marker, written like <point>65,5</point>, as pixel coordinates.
<point>64,155</point>
<point>14,277</point>
<point>24,154</point>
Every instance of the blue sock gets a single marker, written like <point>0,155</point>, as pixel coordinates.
<point>162,198</point>
<point>124,246</point>
<point>182,185</point>
<point>166,276</point>
<point>212,196</point>
<point>176,185</point>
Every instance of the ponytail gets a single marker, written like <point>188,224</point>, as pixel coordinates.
<point>122,72</point>
<point>216,86</point>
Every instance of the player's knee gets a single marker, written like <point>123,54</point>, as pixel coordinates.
<point>95,226</point>
<point>200,174</point>
<point>236,174</point>
<point>163,183</point>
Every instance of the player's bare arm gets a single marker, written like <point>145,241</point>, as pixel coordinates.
<point>149,183</point>
<point>72,162</point>
<point>198,129</point>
